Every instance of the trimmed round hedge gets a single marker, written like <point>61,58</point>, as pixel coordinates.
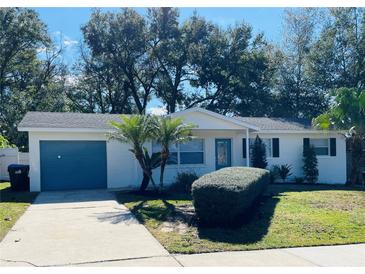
<point>223,197</point>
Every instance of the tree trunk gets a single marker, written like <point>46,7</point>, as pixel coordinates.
<point>163,164</point>
<point>145,182</point>
<point>164,157</point>
<point>147,172</point>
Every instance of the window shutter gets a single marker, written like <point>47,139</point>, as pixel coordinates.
<point>275,147</point>
<point>333,146</point>
<point>244,151</point>
<point>305,143</point>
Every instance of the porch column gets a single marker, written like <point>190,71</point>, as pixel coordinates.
<point>247,148</point>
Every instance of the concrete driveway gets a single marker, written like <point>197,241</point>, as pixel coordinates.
<point>63,228</point>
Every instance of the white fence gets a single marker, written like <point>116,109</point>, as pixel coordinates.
<point>10,156</point>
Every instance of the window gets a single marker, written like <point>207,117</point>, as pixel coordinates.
<point>268,146</point>
<point>191,152</point>
<point>321,146</point>
<point>172,160</point>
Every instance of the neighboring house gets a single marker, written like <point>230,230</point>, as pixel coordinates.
<point>71,150</point>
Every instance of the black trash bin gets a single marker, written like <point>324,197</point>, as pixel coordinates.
<point>19,179</point>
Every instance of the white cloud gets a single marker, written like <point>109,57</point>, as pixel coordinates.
<point>67,41</point>
<point>63,39</point>
<point>157,111</point>
<point>41,49</point>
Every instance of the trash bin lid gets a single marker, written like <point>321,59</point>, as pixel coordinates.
<point>18,166</point>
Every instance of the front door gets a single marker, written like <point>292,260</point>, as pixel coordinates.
<point>222,153</point>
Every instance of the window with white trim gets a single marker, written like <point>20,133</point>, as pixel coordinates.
<point>189,153</point>
<point>268,145</point>
<point>321,146</point>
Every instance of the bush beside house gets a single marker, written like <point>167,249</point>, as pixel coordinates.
<point>222,198</point>
<point>183,182</point>
<point>310,167</point>
<point>258,158</point>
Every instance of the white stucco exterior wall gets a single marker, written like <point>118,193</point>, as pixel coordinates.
<point>332,169</point>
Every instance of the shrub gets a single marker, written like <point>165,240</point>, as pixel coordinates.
<point>258,158</point>
<point>274,173</point>
<point>284,172</point>
<point>310,167</point>
<point>299,180</point>
<point>183,182</point>
<point>223,197</point>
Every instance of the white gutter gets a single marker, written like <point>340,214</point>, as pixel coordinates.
<point>310,131</point>
<point>47,129</point>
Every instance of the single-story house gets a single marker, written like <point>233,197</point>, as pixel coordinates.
<point>72,151</point>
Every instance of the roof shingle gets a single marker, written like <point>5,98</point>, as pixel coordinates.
<point>68,120</point>
<point>265,123</point>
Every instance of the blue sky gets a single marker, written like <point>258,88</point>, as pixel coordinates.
<point>66,23</point>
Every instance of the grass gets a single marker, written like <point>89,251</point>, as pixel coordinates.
<point>12,206</point>
<point>287,216</point>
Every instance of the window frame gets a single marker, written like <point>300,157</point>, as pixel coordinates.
<point>178,151</point>
<point>328,146</point>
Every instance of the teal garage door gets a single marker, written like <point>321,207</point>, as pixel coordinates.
<point>69,165</point>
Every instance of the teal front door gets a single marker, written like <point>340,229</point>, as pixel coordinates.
<point>222,153</point>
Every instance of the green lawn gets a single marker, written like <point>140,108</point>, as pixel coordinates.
<point>288,216</point>
<point>12,206</point>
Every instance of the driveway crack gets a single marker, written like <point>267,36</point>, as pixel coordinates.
<point>14,261</point>
<point>107,261</point>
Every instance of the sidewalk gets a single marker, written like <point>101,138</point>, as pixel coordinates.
<point>342,255</point>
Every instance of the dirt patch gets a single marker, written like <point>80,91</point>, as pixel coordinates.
<point>178,227</point>
<point>181,221</point>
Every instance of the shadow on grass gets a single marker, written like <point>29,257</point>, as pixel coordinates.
<point>7,195</point>
<point>252,229</point>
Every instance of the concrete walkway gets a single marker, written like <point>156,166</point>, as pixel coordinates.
<point>90,228</point>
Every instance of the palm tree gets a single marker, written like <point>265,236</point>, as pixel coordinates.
<point>136,130</point>
<point>348,113</point>
<point>168,131</point>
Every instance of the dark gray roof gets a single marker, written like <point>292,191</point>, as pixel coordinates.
<point>100,121</point>
<point>68,120</point>
<point>265,123</point>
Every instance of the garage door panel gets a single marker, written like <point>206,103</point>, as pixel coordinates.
<point>73,165</point>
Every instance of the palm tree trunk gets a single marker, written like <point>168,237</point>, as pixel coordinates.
<point>164,157</point>
<point>147,172</point>
<point>144,183</point>
<point>163,164</point>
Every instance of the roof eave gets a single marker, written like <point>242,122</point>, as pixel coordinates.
<point>48,129</point>
<point>315,131</point>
